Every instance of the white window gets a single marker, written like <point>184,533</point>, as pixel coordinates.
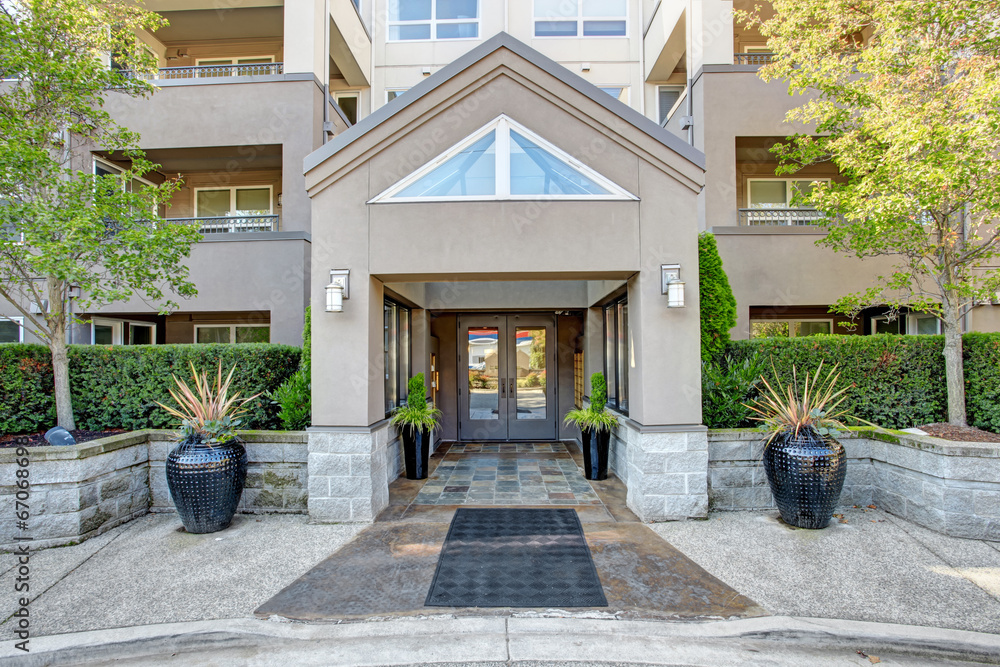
<point>247,66</point>
<point>230,333</point>
<point>433,19</point>
<point>778,192</point>
<point>348,103</point>
<point>106,168</point>
<point>921,324</point>
<point>106,332</point>
<point>667,99</point>
<point>503,160</point>
<point>620,93</point>
<point>232,202</point>
<point>390,95</point>
<point>581,18</point>
<point>11,329</point>
<point>790,328</point>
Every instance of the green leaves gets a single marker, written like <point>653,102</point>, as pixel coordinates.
<point>718,305</point>
<point>416,414</point>
<point>595,417</point>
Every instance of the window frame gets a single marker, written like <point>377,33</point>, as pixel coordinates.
<point>681,96</point>
<point>232,199</point>
<point>625,93</point>
<point>347,94</point>
<point>233,326</point>
<point>398,340</point>
<point>911,324</point>
<point>788,191</point>
<point>503,126</point>
<point>616,373</point>
<point>433,22</point>
<point>791,321</point>
<point>398,91</point>
<point>579,19</point>
<point>19,321</point>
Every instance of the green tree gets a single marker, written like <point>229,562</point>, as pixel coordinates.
<point>905,101</point>
<point>61,227</point>
<point>718,305</point>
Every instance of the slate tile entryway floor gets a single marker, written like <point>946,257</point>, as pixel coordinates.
<point>386,571</point>
<point>489,475</point>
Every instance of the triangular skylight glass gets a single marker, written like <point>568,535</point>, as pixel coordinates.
<point>470,173</point>
<point>535,171</point>
<point>503,160</point>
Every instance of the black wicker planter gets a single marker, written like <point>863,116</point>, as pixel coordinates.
<point>595,446</point>
<point>206,483</point>
<point>806,474</point>
<point>416,449</point>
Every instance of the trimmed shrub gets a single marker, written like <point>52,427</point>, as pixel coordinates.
<point>718,305</point>
<point>25,388</point>
<point>896,381</point>
<point>117,387</point>
<point>294,397</point>
<point>598,392</point>
<point>728,385</point>
<point>982,380</point>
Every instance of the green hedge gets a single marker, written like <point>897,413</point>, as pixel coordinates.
<point>117,387</point>
<point>896,381</point>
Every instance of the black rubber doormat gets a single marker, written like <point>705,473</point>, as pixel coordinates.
<point>515,558</point>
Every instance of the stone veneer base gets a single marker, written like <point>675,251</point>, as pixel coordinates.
<point>84,490</point>
<point>949,487</point>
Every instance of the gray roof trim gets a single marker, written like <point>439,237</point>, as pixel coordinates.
<point>494,43</point>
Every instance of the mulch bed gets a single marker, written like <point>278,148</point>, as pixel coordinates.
<point>38,439</point>
<point>959,433</point>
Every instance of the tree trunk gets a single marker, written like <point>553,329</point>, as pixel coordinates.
<point>60,359</point>
<point>953,364</point>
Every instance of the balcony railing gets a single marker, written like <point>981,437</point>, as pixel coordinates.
<point>231,224</point>
<point>753,58</point>
<point>780,216</point>
<point>209,71</point>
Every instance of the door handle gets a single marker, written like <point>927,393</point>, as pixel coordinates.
<point>503,388</point>
<point>511,390</point>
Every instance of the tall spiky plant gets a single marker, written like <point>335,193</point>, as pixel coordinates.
<point>783,411</point>
<point>207,415</point>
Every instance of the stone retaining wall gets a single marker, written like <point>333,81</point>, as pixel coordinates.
<point>665,470</point>
<point>84,490</point>
<point>950,487</point>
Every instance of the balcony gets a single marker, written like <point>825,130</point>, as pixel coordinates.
<point>201,72</point>
<point>786,217</point>
<point>231,224</point>
<point>753,59</point>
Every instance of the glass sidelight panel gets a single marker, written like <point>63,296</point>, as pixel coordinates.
<point>484,373</point>
<point>530,368</point>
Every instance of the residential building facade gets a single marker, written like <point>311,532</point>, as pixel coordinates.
<point>509,192</point>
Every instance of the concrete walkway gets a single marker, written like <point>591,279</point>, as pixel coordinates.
<point>873,568</point>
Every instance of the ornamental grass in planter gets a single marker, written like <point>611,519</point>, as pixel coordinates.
<point>595,423</point>
<point>804,462</point>
<point>207,469</point>
<point>416,422</point>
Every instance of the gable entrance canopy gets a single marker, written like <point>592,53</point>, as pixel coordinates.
<point>507,187</point>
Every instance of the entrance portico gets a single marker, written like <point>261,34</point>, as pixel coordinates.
<point>491,218</point>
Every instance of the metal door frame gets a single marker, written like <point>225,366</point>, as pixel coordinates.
<point>507,428</point>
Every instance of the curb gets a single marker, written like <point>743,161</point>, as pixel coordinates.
<point>773,640</point>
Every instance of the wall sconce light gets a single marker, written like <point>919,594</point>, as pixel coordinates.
<point>338,290</point>
<point>672,285</point>
<point>279,199</point>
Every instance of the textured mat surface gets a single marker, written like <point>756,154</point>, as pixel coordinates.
<point>515,558</point>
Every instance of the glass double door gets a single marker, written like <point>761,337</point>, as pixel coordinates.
<point>510,390</point>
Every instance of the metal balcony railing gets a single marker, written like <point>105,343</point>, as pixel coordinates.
<point>209,71</point>
<point>780,216</point>
<point>753,58</point>
<point>231,224</point>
